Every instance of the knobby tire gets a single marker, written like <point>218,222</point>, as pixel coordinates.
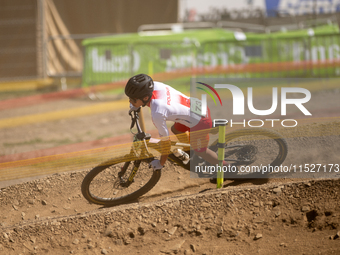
<point>111,201</point>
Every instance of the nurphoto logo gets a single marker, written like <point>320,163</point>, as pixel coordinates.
<point>239,98</point>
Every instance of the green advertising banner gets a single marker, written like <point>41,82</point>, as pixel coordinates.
<point>303,53</point>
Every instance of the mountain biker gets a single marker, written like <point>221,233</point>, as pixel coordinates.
<point>168,104</point>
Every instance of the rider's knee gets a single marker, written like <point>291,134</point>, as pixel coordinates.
<point>174,130</point>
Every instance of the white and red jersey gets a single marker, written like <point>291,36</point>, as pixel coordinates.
<point>168,104</point>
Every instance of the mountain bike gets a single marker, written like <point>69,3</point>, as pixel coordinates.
<point>124,179</point>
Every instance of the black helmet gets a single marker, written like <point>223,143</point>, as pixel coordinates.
<point>139,86</point>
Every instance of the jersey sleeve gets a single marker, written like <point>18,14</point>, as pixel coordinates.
<point>159,121</point>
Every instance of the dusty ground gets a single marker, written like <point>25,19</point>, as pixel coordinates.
<point>180,215</point>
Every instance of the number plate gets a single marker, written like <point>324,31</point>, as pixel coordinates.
<point>196,106</point>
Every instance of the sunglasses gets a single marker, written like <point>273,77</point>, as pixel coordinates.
<point>133,100</point>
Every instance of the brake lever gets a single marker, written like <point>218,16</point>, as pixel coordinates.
<point>133,122</point>
<point>134,119</point>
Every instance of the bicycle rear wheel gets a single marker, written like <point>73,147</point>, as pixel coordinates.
<point>253,151</point>
<point>103,185</point>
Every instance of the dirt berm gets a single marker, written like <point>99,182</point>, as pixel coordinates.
<point>287,218</point>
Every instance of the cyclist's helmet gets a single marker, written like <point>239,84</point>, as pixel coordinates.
<point>139,86</point>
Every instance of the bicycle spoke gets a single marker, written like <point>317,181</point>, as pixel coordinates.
<point>252,150</point>
<point>107,184</point>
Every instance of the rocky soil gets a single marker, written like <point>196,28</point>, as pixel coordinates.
<point>288,218</point>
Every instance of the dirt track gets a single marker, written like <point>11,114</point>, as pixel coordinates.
<point>180,215</point>
<point>286,218</point>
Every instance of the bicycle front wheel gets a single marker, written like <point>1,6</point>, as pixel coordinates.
<point>107,185</point>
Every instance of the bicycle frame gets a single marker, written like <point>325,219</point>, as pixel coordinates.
<point>129,183</point>
<point>141,144</point>
<point>245,152</point>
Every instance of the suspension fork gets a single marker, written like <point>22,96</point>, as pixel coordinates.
<point>123,169</point>
<point>136,165</point>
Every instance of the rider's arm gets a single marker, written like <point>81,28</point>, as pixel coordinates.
<point>159,121</point>
<point>165,149</point>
